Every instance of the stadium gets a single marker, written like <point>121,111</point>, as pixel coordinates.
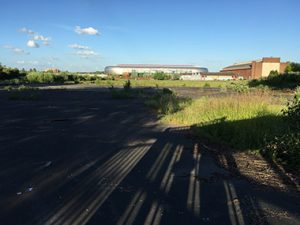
<point>131,69</point>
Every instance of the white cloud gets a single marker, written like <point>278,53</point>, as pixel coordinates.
<point>19,51</point>
<point>88,30</point>
<point>86,53</point>
<point>33,62</point>
<point>76,46</point>
<point>46,40</point>
<point>15,50</point>
<point>32,44</point>
<point>36,37</point>
<point>28,31</point>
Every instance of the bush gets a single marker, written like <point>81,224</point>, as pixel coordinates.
<point>287,80</point>
<point>127,85</point>
<point>161,76</point>
<point>238,87</point>
<point>273,73</point>
<point>166,102</point>
<point>206,85</point>
<point>292,113</point>
<point>7,73</point>
<point>285,150</point>
<point>40,77</point>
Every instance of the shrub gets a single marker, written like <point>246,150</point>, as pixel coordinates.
<point>127,85</point>
<point>238,87</point>
<point>292,113</point>
<point>7,73</point>
<point>206,85</point>
<point>285,150</point>
<point>166,102</point>
<point>40,77</point>
<point>273,73</point>
<point>161,76</point>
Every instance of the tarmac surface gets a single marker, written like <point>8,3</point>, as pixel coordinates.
<point>81,157</point>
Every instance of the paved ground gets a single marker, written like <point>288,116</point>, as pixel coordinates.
<point>81,157</point>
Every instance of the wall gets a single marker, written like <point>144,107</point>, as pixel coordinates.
<point>256,70</point>
<point>245,73</point>
<point>268,67</point>
<point>283,66</point>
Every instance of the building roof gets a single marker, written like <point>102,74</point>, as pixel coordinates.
<point>247,65</point>
<point>239,66</point>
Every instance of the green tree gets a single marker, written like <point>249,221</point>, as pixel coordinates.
<point>295,67</point>
<point>273,73</point>
<point>288,68</point>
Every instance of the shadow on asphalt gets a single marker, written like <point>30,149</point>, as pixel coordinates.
<point>83,158</point>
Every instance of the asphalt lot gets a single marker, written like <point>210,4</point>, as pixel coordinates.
<point>81,157</point>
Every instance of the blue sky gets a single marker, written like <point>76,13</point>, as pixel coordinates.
<point>87,35</point>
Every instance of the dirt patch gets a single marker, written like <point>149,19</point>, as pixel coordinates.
<point>254,168</point>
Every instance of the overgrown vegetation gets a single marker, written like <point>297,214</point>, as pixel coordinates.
<point>290,79</point>
<point>282,81</point>
<point>15,76</point>
<point>246,121</point>
<point>285,148</point>
<point>7,73</point>
<point>165,101</point>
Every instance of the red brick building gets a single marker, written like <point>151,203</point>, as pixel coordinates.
<point>256,69</point>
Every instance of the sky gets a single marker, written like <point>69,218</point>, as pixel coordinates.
<point>87,35</point>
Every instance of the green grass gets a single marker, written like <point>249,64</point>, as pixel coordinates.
<point>166,102</point>
<point>243,121</point>
<point>233,107</point>
<point>168,83</point>
<point>256,121</point>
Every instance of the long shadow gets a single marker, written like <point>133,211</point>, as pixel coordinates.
<point>234,134</point>
<point>119,167</point>
<point>176,182</point>
<point>72,135</point>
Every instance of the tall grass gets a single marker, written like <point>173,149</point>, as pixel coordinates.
<point>166,102</point>
<point>251,121</point>
<point>244,121</point>
<point>230,108</point>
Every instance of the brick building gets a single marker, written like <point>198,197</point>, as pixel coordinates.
<point>256,69</point>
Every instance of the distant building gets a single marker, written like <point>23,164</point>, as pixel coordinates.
<point>256,69</point>
<point>221,76</point>
<point>130,69</point>
<point>52,70</point>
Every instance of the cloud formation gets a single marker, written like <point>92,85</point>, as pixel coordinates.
<point>76,46</point>
<point>15,50</point>
<point>32,44</point>
<point>86,53</point>
<point>46,40</point>
<point>27,31</point>
<point>34,36</point>
<point>34,62</point>
<point>87,30</point>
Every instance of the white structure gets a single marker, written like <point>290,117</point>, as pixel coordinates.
<point>128,69</point>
